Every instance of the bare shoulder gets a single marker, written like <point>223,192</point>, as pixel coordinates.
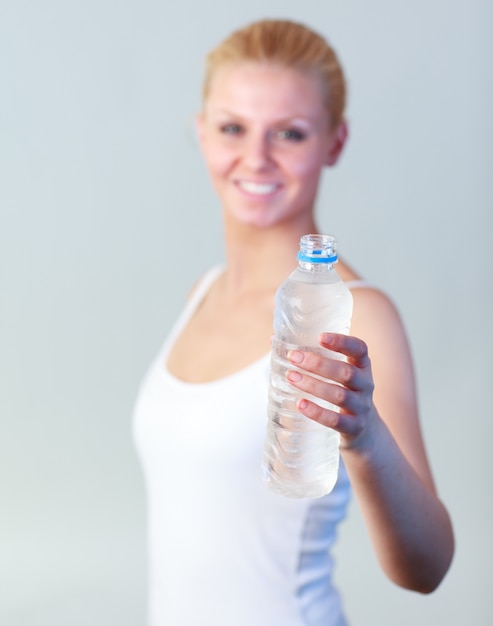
<point>375,316</point>
<point>374,311</point>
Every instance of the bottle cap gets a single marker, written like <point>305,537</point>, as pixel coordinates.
<point>318,249</point>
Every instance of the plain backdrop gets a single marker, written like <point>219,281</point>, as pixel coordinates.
<point>107,217</point>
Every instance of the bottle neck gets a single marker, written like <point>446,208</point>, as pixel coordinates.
<point>319,268</point>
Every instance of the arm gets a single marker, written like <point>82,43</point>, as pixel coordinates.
<point>381,441</point>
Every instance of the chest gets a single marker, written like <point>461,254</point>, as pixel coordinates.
<point>220,340</point>
<point>211,431</point>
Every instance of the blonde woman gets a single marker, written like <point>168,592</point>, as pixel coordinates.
<point>224,550</point>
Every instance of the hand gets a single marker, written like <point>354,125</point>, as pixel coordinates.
<point>353,395</point>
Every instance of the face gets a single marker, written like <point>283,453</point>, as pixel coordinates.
<point>265,137</point>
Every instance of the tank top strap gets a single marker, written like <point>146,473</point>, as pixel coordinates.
<point>196,295</point>
<point>202,287</point>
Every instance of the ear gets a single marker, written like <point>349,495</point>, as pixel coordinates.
<point>339,138</point>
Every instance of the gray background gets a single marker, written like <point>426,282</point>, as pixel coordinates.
<point>107,216</point>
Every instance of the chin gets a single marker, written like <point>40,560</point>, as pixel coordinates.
<point>259,219</point>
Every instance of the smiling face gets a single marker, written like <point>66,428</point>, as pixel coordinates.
<point>265,135</point>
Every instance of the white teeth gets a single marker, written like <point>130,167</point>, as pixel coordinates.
<point>258,188</point>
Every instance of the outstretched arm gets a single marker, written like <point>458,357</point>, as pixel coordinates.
<point>381,441</point>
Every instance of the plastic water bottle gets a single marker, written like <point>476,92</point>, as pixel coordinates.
<point>301,457</point>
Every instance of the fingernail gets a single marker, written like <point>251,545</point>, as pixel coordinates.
<point>327,338</point>
<point>295,356</point>
<point>294,377</point>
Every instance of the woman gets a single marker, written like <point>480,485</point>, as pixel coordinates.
<point>224,550</point>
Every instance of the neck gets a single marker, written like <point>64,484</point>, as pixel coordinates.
<point>260,259</point>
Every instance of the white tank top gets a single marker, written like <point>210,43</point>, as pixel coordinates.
<point>223,549</point>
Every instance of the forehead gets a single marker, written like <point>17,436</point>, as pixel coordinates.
<point>262,87</point>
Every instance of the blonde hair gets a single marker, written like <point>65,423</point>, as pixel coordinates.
<point>288,44</point>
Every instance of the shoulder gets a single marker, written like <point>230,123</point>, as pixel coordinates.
<point>370,297</point>
<point>376,317</point>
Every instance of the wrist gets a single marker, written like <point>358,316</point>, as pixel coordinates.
<point>367,441</point>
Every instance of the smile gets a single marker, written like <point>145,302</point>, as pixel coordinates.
<point>258,189</point>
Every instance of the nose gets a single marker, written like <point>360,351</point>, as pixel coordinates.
<point>257,154</point>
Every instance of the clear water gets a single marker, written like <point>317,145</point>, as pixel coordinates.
<point>301,457</point>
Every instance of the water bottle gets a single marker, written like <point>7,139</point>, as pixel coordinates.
<point>301,457</point>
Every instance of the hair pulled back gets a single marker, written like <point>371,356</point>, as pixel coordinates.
<point>288,44</point>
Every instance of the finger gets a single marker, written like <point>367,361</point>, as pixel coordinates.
<point>344,424</point>
<point>329,368</point>
<point>353,348</point>
<point>346,400</point>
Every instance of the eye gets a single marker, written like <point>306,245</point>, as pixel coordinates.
<point>291,134</point>
<point>231,129</point>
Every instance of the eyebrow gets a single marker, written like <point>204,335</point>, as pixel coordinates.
<point>292,119</point>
